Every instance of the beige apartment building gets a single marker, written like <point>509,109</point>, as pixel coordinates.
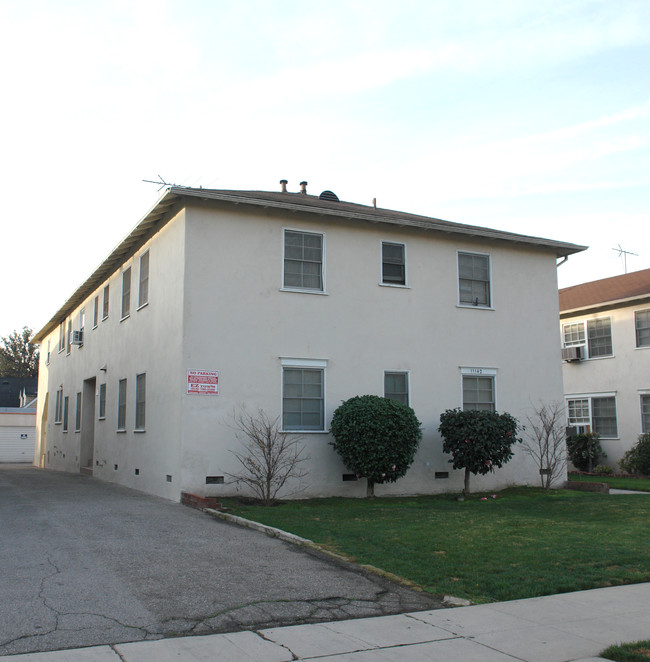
<point>292,303</point>
<point>606,351</point>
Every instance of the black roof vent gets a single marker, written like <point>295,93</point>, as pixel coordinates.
<point>328,195</point>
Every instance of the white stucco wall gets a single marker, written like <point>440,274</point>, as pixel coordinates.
<point>625,374</point>
<point>147,341</point>
<point>239,322</point>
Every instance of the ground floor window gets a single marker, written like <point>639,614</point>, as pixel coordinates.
<point>479,392</point>
<point>140,400</point>
<point>396,386</point>
<point>303,395</point>
<point>645,413</point>
<point>596,413</point>
<point>121,405</point>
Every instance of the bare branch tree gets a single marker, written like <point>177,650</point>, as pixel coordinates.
<point>546,441</point>
<point>268,457</point>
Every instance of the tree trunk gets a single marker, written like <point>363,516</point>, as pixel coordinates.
<point>466,488</point>
<point>370,489</point>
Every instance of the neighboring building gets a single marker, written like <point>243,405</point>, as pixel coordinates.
<point>292,303</point>
<point>17,419</point>
<point>606,350</point>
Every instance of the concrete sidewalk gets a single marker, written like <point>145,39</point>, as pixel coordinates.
<point>556,628</point>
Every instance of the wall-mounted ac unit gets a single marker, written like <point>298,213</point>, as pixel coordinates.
<point>77,338</point>
<point>573,353</point>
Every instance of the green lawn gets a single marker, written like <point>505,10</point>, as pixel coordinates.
<point>635,652</point>
<point>638,484</point>
<point>524,543</point>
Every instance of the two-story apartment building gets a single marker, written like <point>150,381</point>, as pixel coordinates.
<point>606,351</point>
<point>291,303</point>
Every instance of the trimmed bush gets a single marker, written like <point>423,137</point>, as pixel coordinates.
<point>376,438</point>
<point>637,459</point>
<point>479,441</point>
<point>603,470</point>
<point>584,450</point>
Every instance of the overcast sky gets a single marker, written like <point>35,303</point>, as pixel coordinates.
<point>525,116</point>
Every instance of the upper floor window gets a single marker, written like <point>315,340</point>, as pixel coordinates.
<point>61,336</point>
<point>595,335</point>
<point>69,337</point>
<point>143,290</point>
<point>66,407</point>
<point>393,263</point>
<point>596,414</point>
<point>303,395</point>
<point>58,409</point>
<point>95,312</point>
<point>303,260</point>
<point>479,391</point>
<point>126,292</point>
<point>105,301</point>
<point>474,280</point>
<point>642,326</point>
<point>396,386</point>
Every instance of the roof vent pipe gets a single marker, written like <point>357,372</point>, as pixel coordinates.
<point>303,188</point>
<point>283,183</point>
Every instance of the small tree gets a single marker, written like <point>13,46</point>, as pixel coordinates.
<point>546,441</point>
<point>584,450</point>
<point>479,441</point>
<point>18,355</point>
<point>376,438</point>
<point>269,457</point>
<point>637,459</point>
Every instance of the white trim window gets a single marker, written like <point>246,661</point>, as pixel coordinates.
<point>594,413</point>
<point>140,400</point>
<point>593,335</point>
<point>303,395</point>
<point>645,412</point>
<point>95,311</point>
<point>642,328</point>
<point>77,417</point>
<point>66,407</point>
<point>58,408</point>
<point>304,261</point>
<point>121,405</point>
<point>396,386</point>
<point>126,293</point>
<point>479,389</point>
<point>61,336</point>
<point>105,301</point>
<point>393,263</point>
<point>474,280</point>
<point>102,401</point>
<point>143,285</point>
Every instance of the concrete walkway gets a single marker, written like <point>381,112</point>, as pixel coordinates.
<point>556,628</point>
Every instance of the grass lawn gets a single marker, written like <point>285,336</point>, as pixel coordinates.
<point>524,543</point>
<point>635,652</point>
<point>638,484</point>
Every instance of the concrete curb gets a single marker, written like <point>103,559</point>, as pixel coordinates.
<point>341,558</point>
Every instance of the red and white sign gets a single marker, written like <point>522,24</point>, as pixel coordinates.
<point>202,382</point>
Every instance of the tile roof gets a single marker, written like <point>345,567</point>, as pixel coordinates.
<point>176,197</point>
<point>606,291</point>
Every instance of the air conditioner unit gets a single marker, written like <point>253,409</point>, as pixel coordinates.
<point>573,353</point>
<point>77,338</point>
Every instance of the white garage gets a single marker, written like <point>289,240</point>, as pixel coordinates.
<point>17,434</point>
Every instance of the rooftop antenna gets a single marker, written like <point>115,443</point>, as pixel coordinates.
<point>161,182</point>
<point>624,254</point>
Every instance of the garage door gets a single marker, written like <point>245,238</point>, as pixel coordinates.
<point>17,443</point>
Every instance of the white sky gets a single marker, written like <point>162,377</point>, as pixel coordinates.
<point>526,116</point>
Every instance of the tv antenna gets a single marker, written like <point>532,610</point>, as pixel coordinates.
<point>624,254</point>
<point>161,183</point>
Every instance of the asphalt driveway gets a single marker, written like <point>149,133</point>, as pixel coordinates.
<point>83,562</point>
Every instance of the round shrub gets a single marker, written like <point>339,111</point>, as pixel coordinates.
<point>375,437</point>
<point>637,459</point>
<point>603,470</point>
<point>584,450</point>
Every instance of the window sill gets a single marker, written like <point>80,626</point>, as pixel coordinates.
<point>643,347</point>
<point>94,327</point>
<point>126,317</point>
<point>300,291</point>
<point>144,305</point>
<point>469,306</point>
<point>396,285</point>
<point>139,431</point>
<point>101,418</point>
<point>305,431</point>
<point>120,430</point>
<point>104,318</point>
